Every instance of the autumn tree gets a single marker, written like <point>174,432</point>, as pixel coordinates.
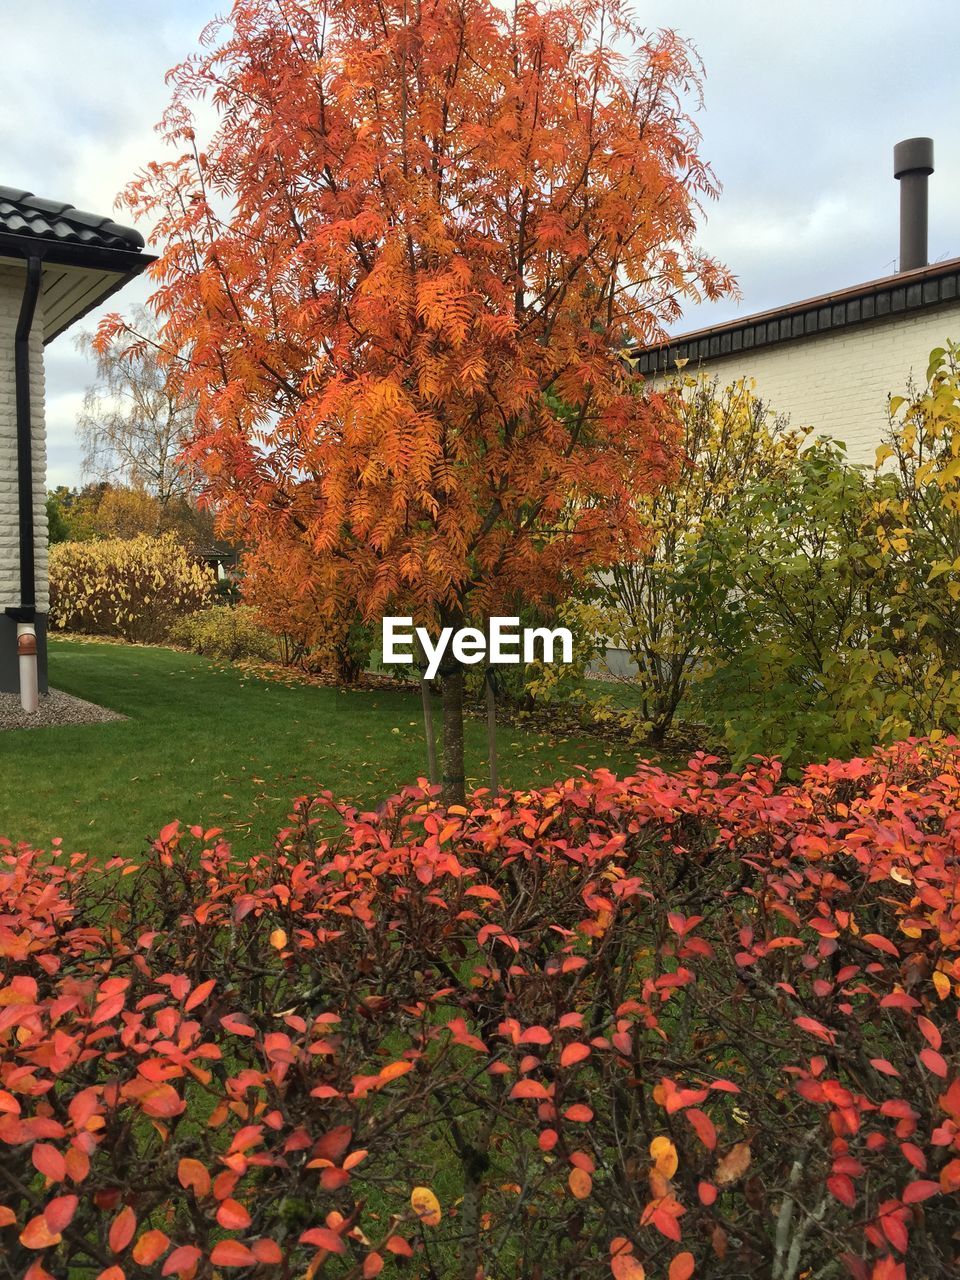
<point>404,262</point>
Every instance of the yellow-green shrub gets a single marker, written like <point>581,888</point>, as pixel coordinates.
<point>133,588</point>
<point>227,632</point>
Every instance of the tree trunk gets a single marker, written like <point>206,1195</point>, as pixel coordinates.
<point>492,730</point>
<point>454,784</point>
<point>427,699</point>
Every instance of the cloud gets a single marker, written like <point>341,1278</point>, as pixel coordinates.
<point>803,105</point>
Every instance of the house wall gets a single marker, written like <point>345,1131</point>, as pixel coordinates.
<point>838,382</point>
<point>12,280</point>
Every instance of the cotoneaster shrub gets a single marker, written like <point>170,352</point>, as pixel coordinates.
<point>667,1026</point>
<point>133,588</point>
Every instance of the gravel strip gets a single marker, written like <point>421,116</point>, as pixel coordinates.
<point>56,707</point>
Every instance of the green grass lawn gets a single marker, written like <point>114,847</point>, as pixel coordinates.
<point>211,745</point>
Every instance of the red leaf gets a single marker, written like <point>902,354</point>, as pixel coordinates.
<point>48,1161</point>
<point>182,1259</point>
<point>842,1188</point>
<point>930,1032</point>
<point>199,994</point>
<point>267,1250</point>
<point>231,1253</point>
<point>59,1212</point>
<point>573,1053</point>
<point>233,1216</point>
<point>528,1089</point>
<point>884,1067</point>
<point>324,1238</point>
<point>236,1026</point>
<point>934,1062</point>
<point>579,1113</point>
<point>922,1189</point>
<point>882,944</point>
<point>334,1144</point>
<point>122,1229</point>
<point>703,1127</point>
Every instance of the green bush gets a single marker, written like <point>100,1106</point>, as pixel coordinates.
<point>841,590</point>
<point>226,632</point>
<point>131,588</point>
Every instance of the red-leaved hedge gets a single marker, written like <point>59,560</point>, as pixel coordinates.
<point>673,1026</point>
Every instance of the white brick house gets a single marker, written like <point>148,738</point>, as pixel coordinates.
<point>56,264</point>
<point>830,362</point>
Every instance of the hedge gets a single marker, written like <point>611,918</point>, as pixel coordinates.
<point>668,1025</point>
<point>132,588</point>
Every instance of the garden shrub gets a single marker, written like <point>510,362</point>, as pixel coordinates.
<point>842,591</point>
<point>664,1026</point>
<point>134,588</point>
<point>662,605</point>
<point>227,632</point>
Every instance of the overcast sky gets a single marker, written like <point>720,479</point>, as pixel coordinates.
<point>804,102</point>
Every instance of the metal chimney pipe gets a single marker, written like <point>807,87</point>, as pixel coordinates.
<point>912,165</point>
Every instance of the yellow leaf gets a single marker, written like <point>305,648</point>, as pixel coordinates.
<point>426,1206</point>
<point>664,1156</point>
<point>278,939</point>
<point>942,983</point>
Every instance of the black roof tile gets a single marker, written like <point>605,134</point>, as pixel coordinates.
<point>24,214</point>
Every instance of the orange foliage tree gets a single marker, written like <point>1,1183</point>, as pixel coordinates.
<point>403,263</point>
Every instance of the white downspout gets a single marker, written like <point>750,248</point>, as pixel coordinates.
<point>27,652</point>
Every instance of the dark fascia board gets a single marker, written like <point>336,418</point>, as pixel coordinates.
<point>878,300</point>
<point>125,264</point>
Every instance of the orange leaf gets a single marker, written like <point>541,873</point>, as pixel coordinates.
<point>682,1267</point>
<point>194,1175</point>
<point>394,1070</point>
<point>733,1165</point>
<point>149,1247</point>
<point>37,1235</point>
<point>626,1267</point>
<point>573,1053</point>
<point>580,1183</point>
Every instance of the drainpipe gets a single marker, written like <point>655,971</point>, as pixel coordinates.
<point>27,654</point>
<point>25,615</point>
